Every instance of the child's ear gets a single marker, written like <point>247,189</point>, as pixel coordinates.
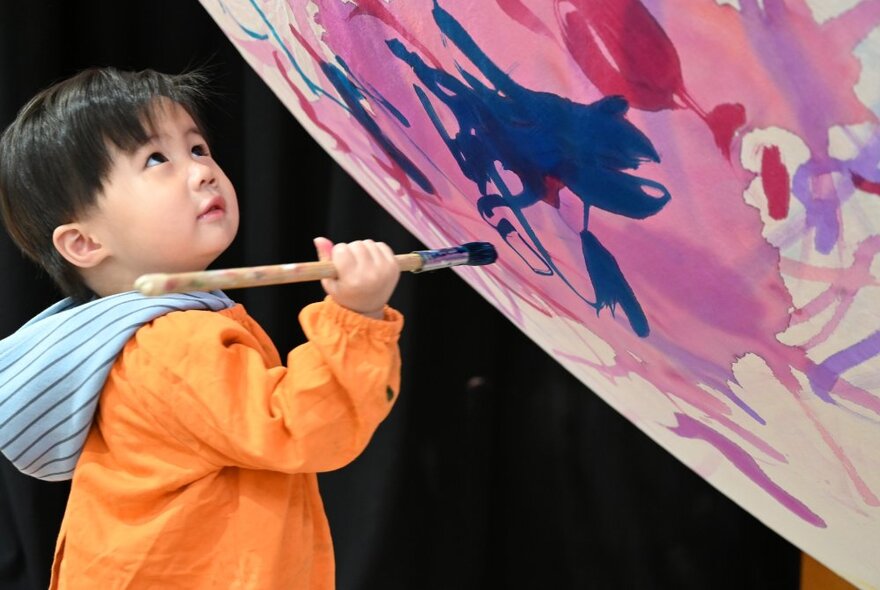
<point>78,246</point>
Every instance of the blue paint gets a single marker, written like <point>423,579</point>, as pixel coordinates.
<point>388,107</point>
<point>247,31</point>
<point>611,287</point>
<point>374,94</point>
<point>352,97</point>
<point>541,136</point>
<point>312,86</point>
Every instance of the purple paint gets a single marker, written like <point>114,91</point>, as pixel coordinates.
<point>693,429</point>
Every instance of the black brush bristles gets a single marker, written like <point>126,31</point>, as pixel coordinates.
<point>480,253</point>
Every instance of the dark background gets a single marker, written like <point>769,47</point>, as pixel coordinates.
<point>496,468</point>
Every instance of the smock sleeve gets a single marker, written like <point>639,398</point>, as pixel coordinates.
<point>216,385</point>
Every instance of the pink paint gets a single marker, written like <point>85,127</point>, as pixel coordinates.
<point>378,10</point>
<point>709,296</point>
<point>710,282</point>
<point>843,286</point>
<point>753,439</point>
<point>307,107</point>
<point>521,13</point>
<point>867,495</point>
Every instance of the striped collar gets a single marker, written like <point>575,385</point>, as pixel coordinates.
<point>53,369</point>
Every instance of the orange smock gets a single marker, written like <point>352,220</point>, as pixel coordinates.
<point>200,467</point>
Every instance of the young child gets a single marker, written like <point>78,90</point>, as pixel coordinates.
<point>195,449</point>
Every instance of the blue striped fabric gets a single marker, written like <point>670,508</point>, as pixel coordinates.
<point>54,367</point>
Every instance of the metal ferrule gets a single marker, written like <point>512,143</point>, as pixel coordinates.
<point>442,258</point>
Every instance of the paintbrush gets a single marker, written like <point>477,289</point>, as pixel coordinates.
<point>471,254</point>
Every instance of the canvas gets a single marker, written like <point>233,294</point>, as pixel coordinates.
<point>685,199</point>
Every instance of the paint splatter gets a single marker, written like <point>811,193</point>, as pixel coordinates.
<point>352,96</point>
<point>774,179</point>
<point>690,428</point>
<point>549,142</point>
<point>530,119</point>
<point>644,67</point>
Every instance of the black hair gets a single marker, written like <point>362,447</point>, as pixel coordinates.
<point>56,154</point>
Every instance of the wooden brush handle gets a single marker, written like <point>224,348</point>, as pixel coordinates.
<point>250,276</point>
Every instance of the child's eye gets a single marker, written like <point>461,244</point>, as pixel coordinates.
<point>200,150</point>
<point>156,158</point>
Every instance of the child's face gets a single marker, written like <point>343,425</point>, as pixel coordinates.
<point>167,207</point>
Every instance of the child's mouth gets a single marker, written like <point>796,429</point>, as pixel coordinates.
<point>214,210</point>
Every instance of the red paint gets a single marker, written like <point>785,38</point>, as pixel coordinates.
<point>643,68</point>
<point>551,191</point>
<point>377,9</point>
<point>863,184</point>
<point>307,108</point>
<point>521,13</point>
<point>774,179</point>
<point>724,120</point>
<point>304,44</point>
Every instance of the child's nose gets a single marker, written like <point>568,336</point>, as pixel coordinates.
<point>201,174</point>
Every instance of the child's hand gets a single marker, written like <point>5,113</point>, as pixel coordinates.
<point>367,273</point>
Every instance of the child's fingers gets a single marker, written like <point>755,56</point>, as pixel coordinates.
<point>324,247</point>
<point>367,272</point>
<point>380,255</point>
<point>345,257</point>
<point>372,250</point>
<point>386,253</point>
<point>355,256</point>
<point>384,264</point>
